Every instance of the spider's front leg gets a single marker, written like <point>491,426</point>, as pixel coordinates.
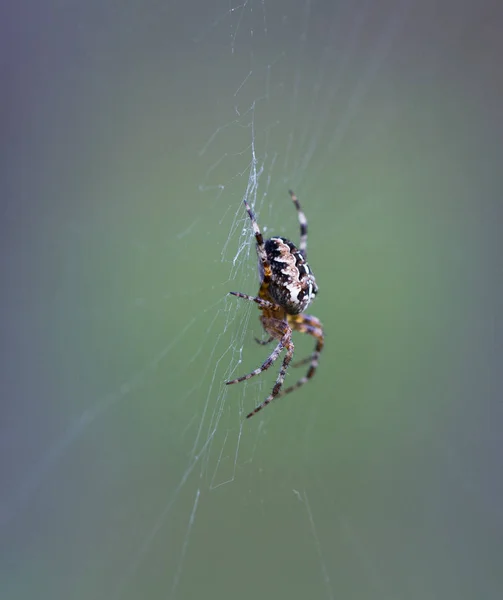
<point>286,342</point>
<point>260,301</point>
<point>277,329</point>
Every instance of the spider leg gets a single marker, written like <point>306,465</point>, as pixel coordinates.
<point>262,254</point>
<point>260,301</point>
<point>306,320</point>
<point>302,222</point>
<point>302,362</point>
<point>317,333</point>
<point>264,342</point>
<point>265,365</point>
<point>286,342</point>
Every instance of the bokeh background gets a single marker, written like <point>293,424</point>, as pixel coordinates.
<point>130,134</point>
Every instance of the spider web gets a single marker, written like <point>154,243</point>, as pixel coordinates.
<point>128,468</point>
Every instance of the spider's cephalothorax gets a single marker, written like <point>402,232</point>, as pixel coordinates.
<point>287,287</point>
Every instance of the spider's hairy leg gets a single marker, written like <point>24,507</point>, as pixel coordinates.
<point>260,244</point>
<point>260,301</point>
<point>278,329</point>
<point>306,320</point>
<point>264,342</point>
<point>265,365</point>
<point>302,223</point>
<point>301,324</point>
<point>286,342</point>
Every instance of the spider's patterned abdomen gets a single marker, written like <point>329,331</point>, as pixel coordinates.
<point>292,285</point>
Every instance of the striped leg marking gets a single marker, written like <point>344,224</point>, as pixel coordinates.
<point>288,344</point>
<point>260,244</point>
<point>261,302</point>
<point>302,222</point>
<point>265,365</point>
<point>317,333</point>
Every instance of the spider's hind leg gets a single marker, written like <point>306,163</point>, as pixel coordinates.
<point>302,223</point>
<point>278,330</point>
<point>312,326</point>
<point>286,342</point>
<point>264,366</point>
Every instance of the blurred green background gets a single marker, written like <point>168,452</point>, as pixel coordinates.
<point>130,135</point>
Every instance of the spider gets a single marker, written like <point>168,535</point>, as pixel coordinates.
<point>287,287</point>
